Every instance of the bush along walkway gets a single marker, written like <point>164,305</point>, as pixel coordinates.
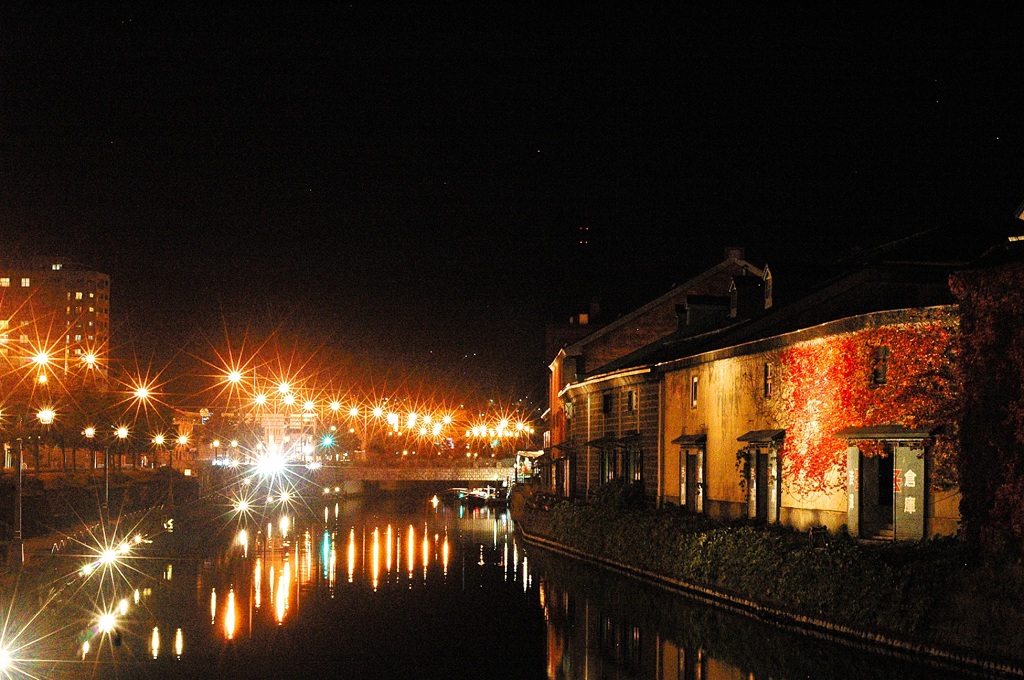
<point>920,600</point>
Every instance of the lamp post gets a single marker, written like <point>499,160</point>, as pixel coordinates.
<point>45,417</point>
<point>182,443</point>
<point>19,546</point>
<point>122,433</point>
<point>158,443</point>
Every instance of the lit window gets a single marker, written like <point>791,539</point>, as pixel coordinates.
<point>78,338</point>
<point>4,323</point>
<point>693,392</point>
<point>92,295</point>
<point>78,295</point>
<point>5,282</point>
<point>23,339</point>
<point>767,380</point>
<point>26,282</point>
<point>56,267</point>
<point>92,309</point>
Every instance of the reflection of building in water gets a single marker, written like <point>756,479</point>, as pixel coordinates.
<point>586,640</point>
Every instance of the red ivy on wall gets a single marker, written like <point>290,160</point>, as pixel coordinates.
<point>828,385</point>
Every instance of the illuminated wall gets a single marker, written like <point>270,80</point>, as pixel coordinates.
<point>884,368</point>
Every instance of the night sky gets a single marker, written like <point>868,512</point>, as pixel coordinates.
<point>402,190</point>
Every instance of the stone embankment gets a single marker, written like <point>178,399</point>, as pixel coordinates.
<point>954,616</point>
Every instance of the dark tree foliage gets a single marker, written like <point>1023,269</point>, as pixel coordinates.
<point>992,431</point>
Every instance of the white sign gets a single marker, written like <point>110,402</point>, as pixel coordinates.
<point>910,478</point>
<point>910,505</point>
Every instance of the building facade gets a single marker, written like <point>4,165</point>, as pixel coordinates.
<point>59,308</point>
<point>606,427</point>
<point>837,410</point>
<point>845,423</point>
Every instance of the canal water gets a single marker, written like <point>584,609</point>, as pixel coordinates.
<point>333,587</point>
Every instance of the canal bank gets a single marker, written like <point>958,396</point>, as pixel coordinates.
<point>943,632</point>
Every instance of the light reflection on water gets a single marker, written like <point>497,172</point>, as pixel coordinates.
<point>432,582</point>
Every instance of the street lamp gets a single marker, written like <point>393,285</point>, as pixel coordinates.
<point>45,416</point>
<point>122,433</point>
<point>182,442</point>
<point>158,443</point>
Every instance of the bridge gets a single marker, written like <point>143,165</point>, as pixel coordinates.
<point>380,473</point>
<point>353,477</point>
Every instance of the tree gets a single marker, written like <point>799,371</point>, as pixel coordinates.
<point>991,458</point>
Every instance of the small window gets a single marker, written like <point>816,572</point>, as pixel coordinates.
<point>607,403</point>
<point>5,282</point>
<point>693,392</point>
<point>767,380</point>
<point>56,267</point>
<point>26,282</point>
<point>23,339</point>
<point>880,367</point>
<point>78,295</point>
<point>631,401</point>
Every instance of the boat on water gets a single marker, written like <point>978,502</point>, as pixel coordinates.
<point>485,495</point>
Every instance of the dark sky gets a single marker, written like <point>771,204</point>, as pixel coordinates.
<point>402,188</point>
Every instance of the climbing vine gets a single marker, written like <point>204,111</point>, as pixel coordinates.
<point>846,381</point>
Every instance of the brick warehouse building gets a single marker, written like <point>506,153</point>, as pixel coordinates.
<point>801,414</point>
